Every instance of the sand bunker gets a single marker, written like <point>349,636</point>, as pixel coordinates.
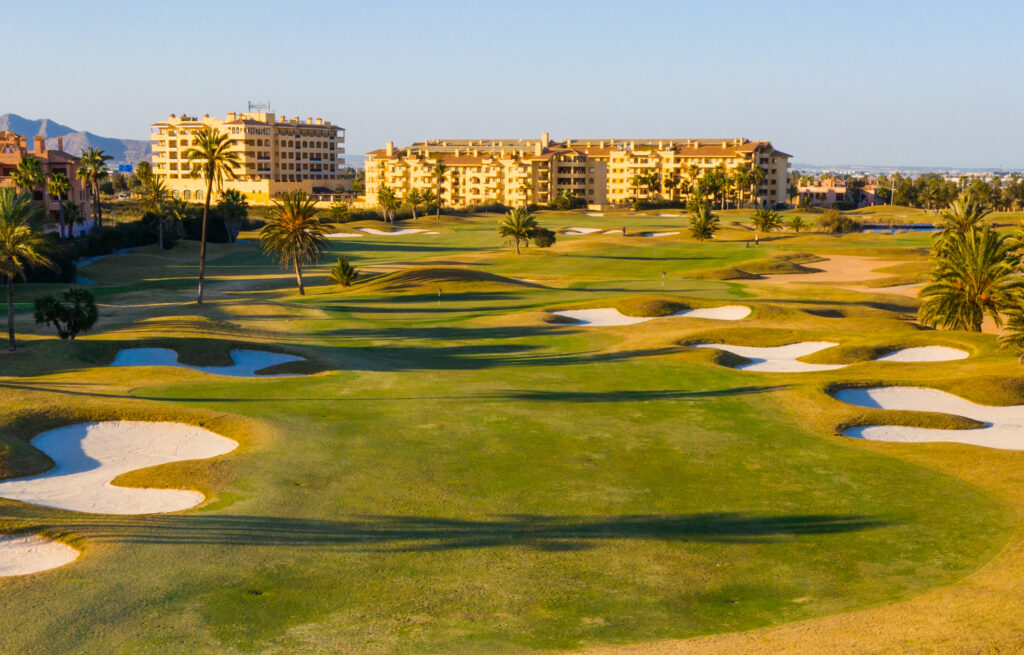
<point>1004,424</point>
<point>344,235</point>
<point>612,232</point>
<point>658,234</point>
<point>595,214</point>
<point>89,455</point>
<point>780,359</point>
<point>581,230</point>
<point>247,362</point>
<point>405,230</point>
<point>925,354</point>
<point>610,317</point>
<point>669,215</point>
<point>23,554</point>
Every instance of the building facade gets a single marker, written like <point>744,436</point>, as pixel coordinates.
<point>275,154</point>
<point>14,148</point>
<point>601,171</point>
<point>830,190</point>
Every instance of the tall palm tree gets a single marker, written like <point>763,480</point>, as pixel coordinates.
<point>526,188</point>
<point>439,172</point>
<point>703,223</point>
<point>212,159</point>
<point>72,212</point>
<point>518,225</point>
<point>92,169</point>
<point>388,202</point>
<point>973,276</point>
<point>295,235</point>
<point>414,198</point>
<point>28,175</point>
<point>233,209</point>
<point>154,200</point>
<point>57,186</point>
<point>19,246</point>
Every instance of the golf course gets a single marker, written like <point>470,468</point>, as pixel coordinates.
<point>628,442</point>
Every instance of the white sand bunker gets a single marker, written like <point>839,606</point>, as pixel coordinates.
<point>247,362</point>
<point>344,235</point>
<point>595,213</point>
<point>612,232</point>
<point>1004,424</point>
<point>90,455</point>
<point>658,234</point>
<point>780,359</point>
<point>925,354</point>
<point>669,215</point>
<point>581,230</point>
<point>398,232</point>
<point>23,554</point>
<point>610,317</point>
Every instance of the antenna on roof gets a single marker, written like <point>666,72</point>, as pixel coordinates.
<point>261,107</point>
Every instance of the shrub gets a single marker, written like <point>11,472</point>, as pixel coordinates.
<point>74,312</point>
<point>835,223</point>
<point>543,237</point>
<point>343,273</point>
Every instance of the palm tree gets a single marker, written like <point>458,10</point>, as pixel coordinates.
<point>19,246</point>
<point>518,225</point>
<point>388,202</point>
<point>439,172</point>
<point>57,187</point>
<point>427,198</point>
<point>526,188</point>
<point>703,223</point>
<point>797,223</point>
<point>1014,335</point>
<point>965,213</point>
<point>233,209</point>
<point>212,159</point>
<point>414,198</point>
<point>766,220</point>
<point>154,200</point>
<point>92,169</point>
<point>28,175</point>
<point>973,276</point>
<point>295,235</point>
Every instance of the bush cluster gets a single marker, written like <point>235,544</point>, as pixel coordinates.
<point>835,223</point>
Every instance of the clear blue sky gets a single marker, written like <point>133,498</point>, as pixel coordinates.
<point>901,83</point>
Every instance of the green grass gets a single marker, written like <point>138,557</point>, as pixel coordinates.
<point>463,476</point>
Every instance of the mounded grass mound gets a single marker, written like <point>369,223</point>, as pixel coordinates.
<point>653,306</point>
<point>786,263</point>
<point>420,279</point>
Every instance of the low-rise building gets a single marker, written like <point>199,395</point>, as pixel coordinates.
<point>601,171</point>
<point>14,148</point>
<point>276,154</point>
<point>830,190</point>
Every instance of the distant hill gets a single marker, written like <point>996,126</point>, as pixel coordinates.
<point>124,151</point>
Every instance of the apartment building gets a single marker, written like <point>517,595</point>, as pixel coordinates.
<point>276,154</point>
<point>602,171</point>
<point>14,148</point>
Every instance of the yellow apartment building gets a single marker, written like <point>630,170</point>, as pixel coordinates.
<point>276,154</point>
<point>602,171</point>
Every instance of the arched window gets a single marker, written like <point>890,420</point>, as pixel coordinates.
<point>186,194</point>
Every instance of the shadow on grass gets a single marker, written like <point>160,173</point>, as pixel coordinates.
<point>618,396</point>
<point>423,534</point>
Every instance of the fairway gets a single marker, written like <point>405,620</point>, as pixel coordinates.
<point>445,458</point>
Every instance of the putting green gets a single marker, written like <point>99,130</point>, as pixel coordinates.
<point>468,476</point>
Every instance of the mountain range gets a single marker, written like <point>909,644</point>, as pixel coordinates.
<point>123,151</point>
